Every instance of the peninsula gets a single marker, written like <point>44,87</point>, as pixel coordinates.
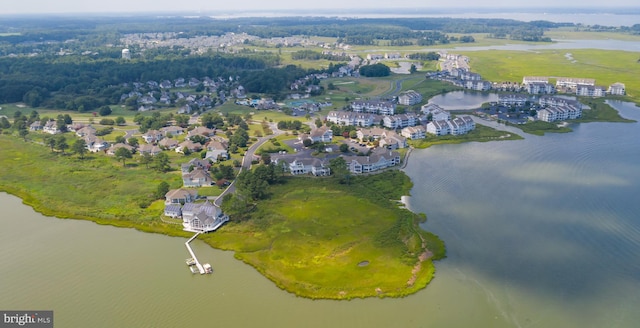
<point>300,148</point>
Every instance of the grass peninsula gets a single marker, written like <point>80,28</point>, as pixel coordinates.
<point>315,238</point>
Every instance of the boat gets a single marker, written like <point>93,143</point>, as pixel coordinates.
<point>191,261</point>
<point>207,268</point>
<point>193,269</point>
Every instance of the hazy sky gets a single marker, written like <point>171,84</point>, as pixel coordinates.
<point>212,6</point>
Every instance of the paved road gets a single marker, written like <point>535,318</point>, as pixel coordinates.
<point>246,160</point>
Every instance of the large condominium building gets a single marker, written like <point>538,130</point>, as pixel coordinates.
<point>617,89</point>
<point>374,107</point>
<point>409,98</point>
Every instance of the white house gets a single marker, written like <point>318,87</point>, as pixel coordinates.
<point>414,132</point>
<point>374,162</point>
<point>439,127</point>
<point>461,125</point>
<point>591,90</point>
<point>350,118</point>
<point>409,98</point>
<point>181,196</point>
<point>617,89</point>
<point>322,134</point>
<point>374,107</point>
<point>436,112</point>
<point>313,166</point>
<point>152,136</point>
<point>202,217</point>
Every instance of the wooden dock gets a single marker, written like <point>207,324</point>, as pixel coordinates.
<point>193,255</point>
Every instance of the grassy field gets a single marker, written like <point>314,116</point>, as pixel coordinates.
<point>300,239</point>
<point>605,66</point>
<point>480,134</point>
<point>306,243</point>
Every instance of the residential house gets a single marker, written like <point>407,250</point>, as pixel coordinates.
<point>322,134</point>
<point>216,150</point>
<point>439,127</point>
<point>414,132</point>
<point>591,90</point>
<point>312,166</point>
<point>512,100</point>
<point>535,79</point>
<point>375,56</point>
<point>198,177</point>
<point>540,88</point>
<point>190,145</point>
<point>51,127</point>
<point>35,126</point>
<point>172,130</point>
<point>112,149</point>
<point>572,83</point>
<point>392,140</point>
<point>181,196</point>
<point>149,149</point>
<point>152,136</point>
<point>168,143</point>
<point>400,121</point>
<point>374,133</point>
<point>374,107</point>
<point>86,131</point>
<point>202,217</point>
<point>376,161</point>
<point>195,163</point>
<point>201,131</point>
<point>409,98</point>
<point>437,113</point>
<point>461,125</point>
<point>95,144</point>
<point>350,118</point>
<point>617,89</point>
<point>173,210</point>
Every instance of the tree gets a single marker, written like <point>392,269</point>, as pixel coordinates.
<point>161,162</point>
<point>122,154</point>
<point>146,159</point>
<point>344,148</point>
<point>133,142</point>
<point>23,134</point>
<point>104,110</point>
<point>4,123</point>
<point>307,142</point>
<point>50,141</point>
<point>120,120</point>
<point>120,139</point>
<point>79,147</point>
<point>61,143</point>
<point>338,167</point>
<point>162,190</point>
<point>413,69</point>
<point>266,158</point>
<point>318,123</point>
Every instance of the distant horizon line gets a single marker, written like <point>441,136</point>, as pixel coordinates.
<point>413,11</point>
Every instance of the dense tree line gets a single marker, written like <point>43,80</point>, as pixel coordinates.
<point>425,56</point>
<point>375,70</point>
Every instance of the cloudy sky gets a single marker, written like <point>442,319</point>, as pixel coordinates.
<point>212,6</point>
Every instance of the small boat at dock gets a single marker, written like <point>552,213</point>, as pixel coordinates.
<point>207,268</point>
<point>191,261</point>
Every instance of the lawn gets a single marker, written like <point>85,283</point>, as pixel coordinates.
<point>605,66</point>
<point>311,238</point>
<point>480,134</point>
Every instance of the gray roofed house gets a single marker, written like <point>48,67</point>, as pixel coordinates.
<point>173,210</point>
<point>377,161</point>
<point>202,217</point>
<point>168,143</point>
<point>181,196</point>
<point>197,178</point>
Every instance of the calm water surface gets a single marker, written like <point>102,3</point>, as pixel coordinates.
<point>541,232</point>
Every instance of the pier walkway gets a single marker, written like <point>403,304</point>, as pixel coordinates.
<point>193,255</point>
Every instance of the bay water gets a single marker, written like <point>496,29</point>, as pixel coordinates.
<point>540,232</point>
